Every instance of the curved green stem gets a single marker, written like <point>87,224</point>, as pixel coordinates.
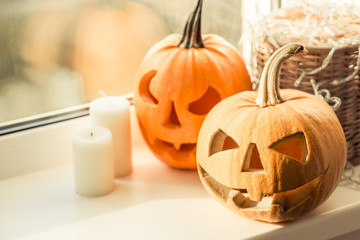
<point>269,90</point>
<point>191,37</point>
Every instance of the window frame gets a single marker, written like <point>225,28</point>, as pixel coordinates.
<point>44,119</point>
<point>22,144</point>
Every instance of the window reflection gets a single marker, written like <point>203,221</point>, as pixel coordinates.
<point>59,54</point>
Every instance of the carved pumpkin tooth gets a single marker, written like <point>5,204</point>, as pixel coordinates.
<point>255,195</point>
<point>236,198</point>
<point>177,146</point>
<point>279,199</point>
<point>265,203</point>
<point>233,193</point>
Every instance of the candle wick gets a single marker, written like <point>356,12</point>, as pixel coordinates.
<point>91,134</point>
<point>106,97</point>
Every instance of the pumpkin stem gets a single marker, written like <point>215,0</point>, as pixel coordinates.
<point>191,37</point>
<point>269,90</point>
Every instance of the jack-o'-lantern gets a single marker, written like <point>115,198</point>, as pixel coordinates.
<point>273,155</point>
<point>180,79</point>
<point>38,39</point>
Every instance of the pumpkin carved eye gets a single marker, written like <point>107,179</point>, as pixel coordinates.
<point>144,88</point>
<point>204,104</point>
<point>221,142</point>
<point>293,146</point>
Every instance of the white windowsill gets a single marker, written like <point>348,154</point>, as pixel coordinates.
<point>37,199</point>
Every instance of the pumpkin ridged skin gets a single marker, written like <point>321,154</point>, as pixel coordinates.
<point>241,118</point>
<point>183,76</point>
<point>180,79</point>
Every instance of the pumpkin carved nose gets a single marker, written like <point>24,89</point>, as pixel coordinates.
<point>172,120</point>
<point>252,161</point>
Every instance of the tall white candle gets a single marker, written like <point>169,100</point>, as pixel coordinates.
<point>93,161</point>
<point>114,114</point>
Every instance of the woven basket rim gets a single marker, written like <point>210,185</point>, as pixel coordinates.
<point>320,48</point>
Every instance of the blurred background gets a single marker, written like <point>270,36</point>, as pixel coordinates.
<point>59,54</point>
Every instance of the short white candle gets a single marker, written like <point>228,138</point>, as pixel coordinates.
<point>114,114</point>
<point>93,161</point>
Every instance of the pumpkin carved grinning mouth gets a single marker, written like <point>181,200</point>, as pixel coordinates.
<point>183,147</point>
<point>240,198</point>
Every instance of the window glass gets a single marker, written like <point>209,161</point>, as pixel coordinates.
<point>59,54</point>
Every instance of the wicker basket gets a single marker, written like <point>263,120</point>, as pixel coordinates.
<point>340,66</point>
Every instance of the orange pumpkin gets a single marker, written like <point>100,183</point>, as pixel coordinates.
<point>273,155</point>
<point>180,79</point>
<point>39,45</point>
<point>110,40</point>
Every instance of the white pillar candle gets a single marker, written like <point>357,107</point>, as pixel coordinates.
<point>114,114</point>
<point>93,161</point>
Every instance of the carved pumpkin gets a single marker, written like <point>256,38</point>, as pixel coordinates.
<point>273,155</point>
<point>110,41</point>
<point>33,38</point>
<point>180,79</point>
<point>41,41</point>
